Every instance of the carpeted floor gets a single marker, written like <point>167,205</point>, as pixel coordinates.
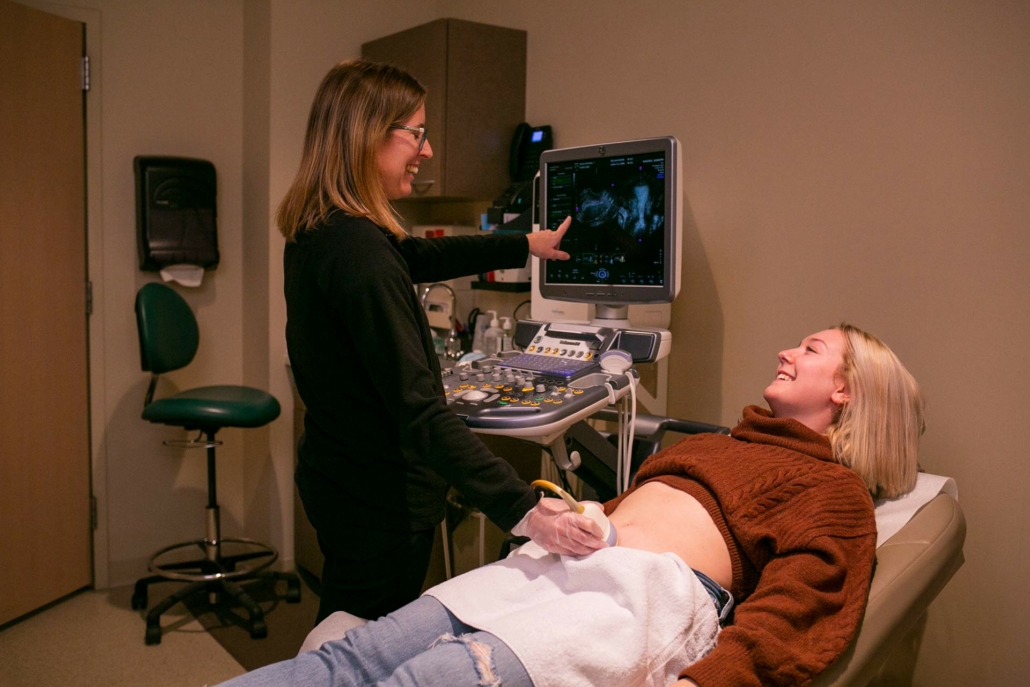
<point>95,638</point>
<point>288,624</point>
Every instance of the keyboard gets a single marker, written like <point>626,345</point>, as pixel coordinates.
<point>554,366</point>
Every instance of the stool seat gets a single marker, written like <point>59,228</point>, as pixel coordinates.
<point>214,406</point>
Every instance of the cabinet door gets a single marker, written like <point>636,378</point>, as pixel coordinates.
<point>486,100</point>
<point>422,51</point>
<point>476,76</point>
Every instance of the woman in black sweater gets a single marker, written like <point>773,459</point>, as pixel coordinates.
<point>380,447</point>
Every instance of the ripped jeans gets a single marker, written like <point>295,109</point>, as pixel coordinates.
<point>419,644</point>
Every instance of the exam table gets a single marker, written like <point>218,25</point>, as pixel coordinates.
<point>919,549</point>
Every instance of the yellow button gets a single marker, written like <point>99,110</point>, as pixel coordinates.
<point>558,403</point>
<point>507,388</point>
<point>577,391</point>
<point>527,388</point>
<point>588,356</point>
<point>534,403</point>
<point>525,403</point>
<point>548,400</point>
<point>561,388</point>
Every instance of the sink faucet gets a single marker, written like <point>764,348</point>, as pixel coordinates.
<point>452,344</point>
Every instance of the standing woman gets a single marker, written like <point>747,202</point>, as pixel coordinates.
<point>380,447</point>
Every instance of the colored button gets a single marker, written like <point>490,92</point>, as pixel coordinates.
<point>577,391</point>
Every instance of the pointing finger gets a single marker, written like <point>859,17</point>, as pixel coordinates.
<point>563,227</point>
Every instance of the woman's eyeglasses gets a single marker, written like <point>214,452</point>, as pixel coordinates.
<point>418,131</point>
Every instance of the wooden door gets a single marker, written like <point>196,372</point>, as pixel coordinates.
<point>45,535</point>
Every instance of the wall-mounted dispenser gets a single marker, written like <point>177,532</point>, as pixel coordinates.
<point>175,217</point>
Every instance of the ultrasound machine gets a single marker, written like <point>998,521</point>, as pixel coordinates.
<point>624,243</point>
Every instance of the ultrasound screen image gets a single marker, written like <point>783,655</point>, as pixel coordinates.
<point>618,226</point>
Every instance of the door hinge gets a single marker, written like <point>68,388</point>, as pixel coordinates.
<point>93,512</point>
<point>89,298</point>
<point>85,72</point>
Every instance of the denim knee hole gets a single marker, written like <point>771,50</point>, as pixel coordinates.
<point>481,654</point>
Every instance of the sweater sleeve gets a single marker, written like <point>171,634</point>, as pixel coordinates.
<point>802,615</point>
<point>368,285</point>
<point>448,257</point>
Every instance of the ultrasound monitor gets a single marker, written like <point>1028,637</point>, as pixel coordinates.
<point>626,230</point>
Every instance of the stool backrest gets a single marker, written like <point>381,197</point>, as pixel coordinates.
<point>168,334</point>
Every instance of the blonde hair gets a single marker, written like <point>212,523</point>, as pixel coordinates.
<point>877,431</point>
<point>354,107</point>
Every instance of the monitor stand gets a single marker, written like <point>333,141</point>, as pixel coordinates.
<point>614,316</point>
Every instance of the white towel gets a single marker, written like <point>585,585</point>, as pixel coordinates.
<point>618,616</point>
<point>893,514</point>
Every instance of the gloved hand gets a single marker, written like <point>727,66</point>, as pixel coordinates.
<point>556,529</point>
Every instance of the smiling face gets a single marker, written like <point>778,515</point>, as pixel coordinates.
<point>399,157</point>
<point>808,385</point>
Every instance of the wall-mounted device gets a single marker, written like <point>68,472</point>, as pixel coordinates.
<point>175,212</point>
<point>528,143</point>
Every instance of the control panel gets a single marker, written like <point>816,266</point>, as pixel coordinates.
<point>555,382</point>
<point>491,395</point>
<point>567,352</point>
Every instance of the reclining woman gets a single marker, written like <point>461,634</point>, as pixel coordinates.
<point>780,513</point>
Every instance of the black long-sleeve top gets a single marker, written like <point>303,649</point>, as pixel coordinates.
<point>377,426</point>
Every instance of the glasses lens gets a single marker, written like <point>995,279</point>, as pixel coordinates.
<point>422,140</point>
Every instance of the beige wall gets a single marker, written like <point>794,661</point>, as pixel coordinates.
<point>866,161</point>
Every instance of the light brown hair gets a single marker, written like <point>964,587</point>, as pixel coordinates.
<point>354,107</point>
<point>877,431</point>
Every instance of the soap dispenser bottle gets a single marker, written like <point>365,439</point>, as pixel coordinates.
<point>493,336</point>
<point>506,344</point>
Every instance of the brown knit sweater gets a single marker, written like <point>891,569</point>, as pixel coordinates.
<point>802,540</point>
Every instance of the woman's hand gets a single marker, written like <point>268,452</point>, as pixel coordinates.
<point>544,243</point>
<point>556,529</point>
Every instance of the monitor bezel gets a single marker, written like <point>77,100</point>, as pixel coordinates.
<point>621,294</point>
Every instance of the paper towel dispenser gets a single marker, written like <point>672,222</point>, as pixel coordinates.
<point>175,212</point>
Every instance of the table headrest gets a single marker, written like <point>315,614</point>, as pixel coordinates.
<point>893,514</point>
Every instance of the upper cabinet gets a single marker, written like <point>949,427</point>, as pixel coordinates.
<point>476,78</point>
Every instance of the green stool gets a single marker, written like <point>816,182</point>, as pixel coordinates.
<point>168,339</point>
